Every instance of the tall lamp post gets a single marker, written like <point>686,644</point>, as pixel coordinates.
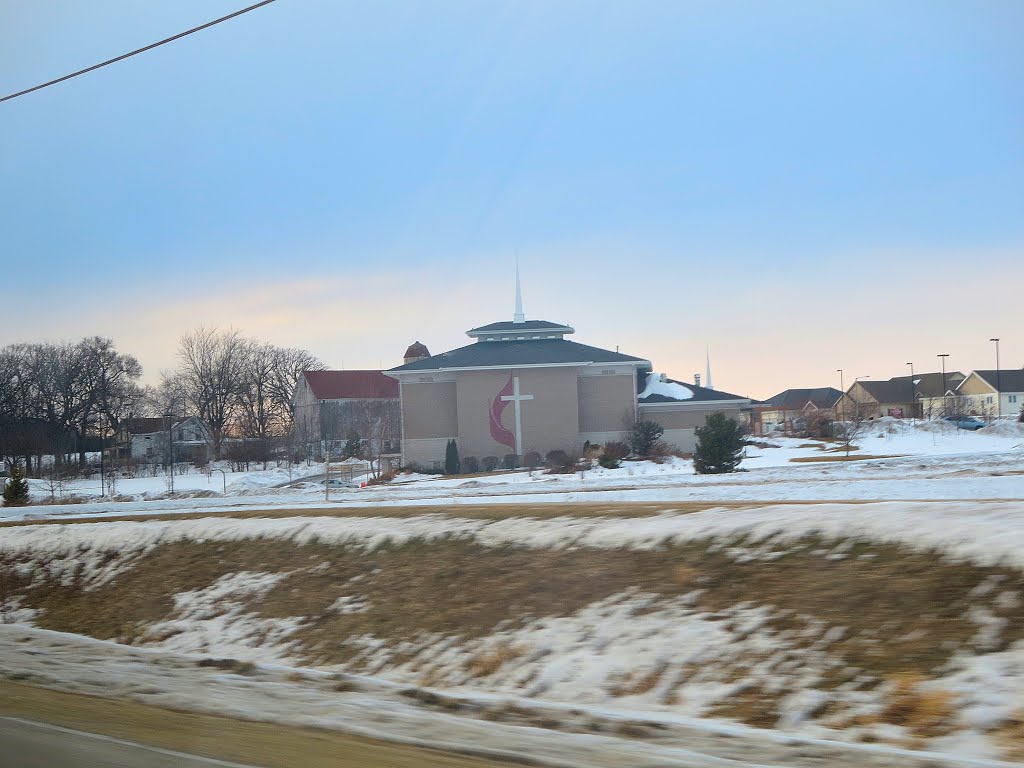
<point>842,389</point>
<point>945,412</point>
<point>170,447</point>
<point>913,395</point>
<point>999,384</point>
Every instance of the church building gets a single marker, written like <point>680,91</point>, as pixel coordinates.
<point>522,387</point>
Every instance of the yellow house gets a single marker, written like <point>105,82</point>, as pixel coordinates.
<point>993,393</point>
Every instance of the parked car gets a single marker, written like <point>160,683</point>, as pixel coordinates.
<point>964,422</point>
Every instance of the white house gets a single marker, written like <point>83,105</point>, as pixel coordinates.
<point>147,439</point>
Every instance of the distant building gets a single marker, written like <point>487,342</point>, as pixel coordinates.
<point>332,405</point>
<point>925,395</point>
<point>522,387</point>
<point>680,407</point>
<point>992,393</point>
<point>787,410</point>
<point>148,439</point>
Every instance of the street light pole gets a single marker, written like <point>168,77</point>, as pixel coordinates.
<point>913,396</point>
<point>999,383</point>
<point>945,411</point>
<point>103,479</point>
<point>170,447</point>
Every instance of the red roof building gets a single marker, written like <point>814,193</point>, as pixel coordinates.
<point>350,385</point>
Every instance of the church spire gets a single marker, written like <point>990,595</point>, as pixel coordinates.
<point>707,371</point>
<point>518,317</point>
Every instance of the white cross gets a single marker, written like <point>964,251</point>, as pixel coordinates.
<point>515,398</point>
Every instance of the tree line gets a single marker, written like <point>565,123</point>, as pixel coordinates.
<point>63,399</point>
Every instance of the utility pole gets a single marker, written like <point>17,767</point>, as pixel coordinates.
<point>842,389</point>
<point>103,483</point>
<point>999,383</point>
<point>170,448</point>
<point>945,411</point>
<point>913,395</point>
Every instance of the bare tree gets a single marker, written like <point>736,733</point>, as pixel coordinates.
<point>289,365</point>
<point>211,376</point>
<point>378,422</point>
<point>853,425</point>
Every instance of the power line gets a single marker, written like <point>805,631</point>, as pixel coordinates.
<point>136,52</point>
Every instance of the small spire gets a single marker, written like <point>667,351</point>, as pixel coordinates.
<point>518,317</point>
<point>707,370</point>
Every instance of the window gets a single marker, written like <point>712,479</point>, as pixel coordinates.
<point>988,400</point>
<point>1011,399</point>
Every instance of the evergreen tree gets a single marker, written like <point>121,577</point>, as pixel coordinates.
<point>353,446</point>
<point>643,437</point>
<point>16,489</point>
<point>451,459</point>
<point>719,445</point>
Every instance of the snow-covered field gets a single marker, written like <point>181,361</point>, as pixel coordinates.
<point>884,611</point>
<point>930,461</point>
<point>633,651</point>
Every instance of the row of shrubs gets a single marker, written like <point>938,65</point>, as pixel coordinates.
<point>719,449</point>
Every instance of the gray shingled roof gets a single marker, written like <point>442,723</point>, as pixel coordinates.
<point>897,389</point>
<point>1010,380</point>
<point>795,399</point>
<point>507,326</point>
<point>699,393</point>
<point>513,353</point>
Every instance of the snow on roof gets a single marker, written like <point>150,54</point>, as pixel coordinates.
<point>659,384</point>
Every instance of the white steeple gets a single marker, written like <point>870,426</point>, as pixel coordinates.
<point>518,317</point>
<point>707,371</point>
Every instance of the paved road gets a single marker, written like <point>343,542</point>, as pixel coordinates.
<point>28,744</point>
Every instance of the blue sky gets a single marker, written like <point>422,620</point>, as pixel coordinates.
<point>802,186</point>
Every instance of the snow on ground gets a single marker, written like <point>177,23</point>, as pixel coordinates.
<point>214,482</point>
<point>213,621</point>
<point>501,727</point>
<point>986,533</point>
<point>933,460</point>
<point>611,653</point>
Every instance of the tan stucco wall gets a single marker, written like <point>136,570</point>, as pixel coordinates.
<point>429,410</point>
<point>688,418</point>
<point>567,408</point>
<point>679,422</point>
<point>550,420</point>
<point>681,439</point>
<point>606,402</point>
<point>426,452</point>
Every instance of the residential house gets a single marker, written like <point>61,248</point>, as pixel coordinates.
<point>148,439</point>
<point>925,395</point>
<point>787,410</point>
<point>991,393</point>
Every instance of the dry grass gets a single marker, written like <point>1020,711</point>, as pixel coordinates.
<point>913,603</point>
<point>753,706</point>
<point>488,662</point>
<point>925,713</point>
<point>1010,738</point>
<point>641,682</point>
<point>903,611</point>
<point>495,511</point>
